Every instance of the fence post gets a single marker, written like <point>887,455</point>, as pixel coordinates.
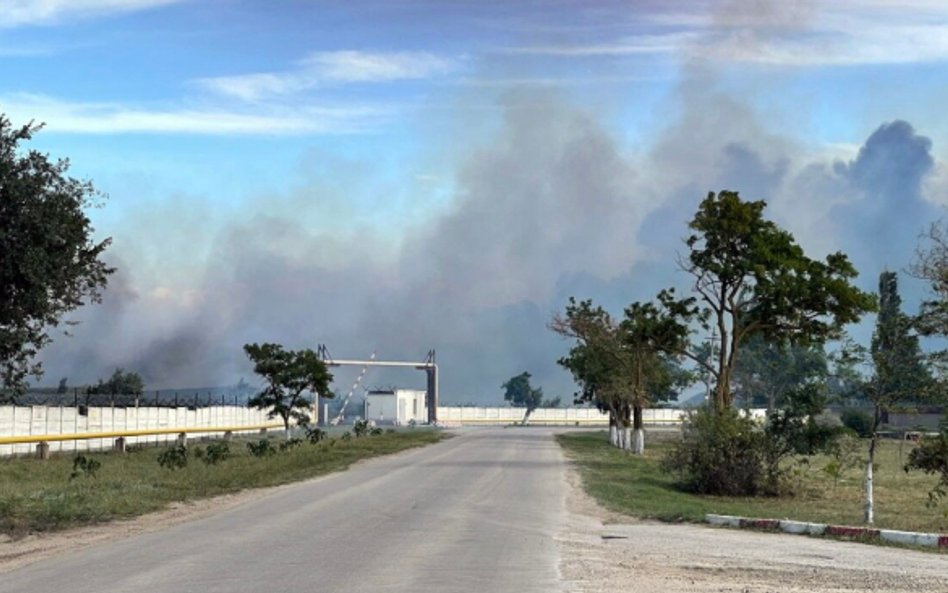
<point>42,450</point>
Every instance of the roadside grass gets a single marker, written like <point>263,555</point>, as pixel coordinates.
<point>637,486</point>
<point>39,496</point>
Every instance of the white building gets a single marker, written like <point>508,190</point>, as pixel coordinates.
<point>396,406</point>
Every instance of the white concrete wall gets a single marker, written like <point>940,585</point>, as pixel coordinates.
<point>450,415</point>
<point>55,420</point>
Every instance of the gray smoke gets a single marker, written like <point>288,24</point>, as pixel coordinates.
<point>549,206</point>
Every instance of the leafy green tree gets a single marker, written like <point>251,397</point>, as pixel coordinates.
<point>288,375</point>
<point>120,383</point>
<point>622,367</point>
<point>49,262</point>
<point>594,359</point>
<point>751,278</point>
<point>519,392</point>
<point>648,335</point>
<point>899,373</point>
<point>765,371</point>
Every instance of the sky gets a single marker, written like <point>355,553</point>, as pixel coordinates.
<point>403,175</point>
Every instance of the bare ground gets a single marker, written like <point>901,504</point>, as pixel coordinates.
<point>602,551</point>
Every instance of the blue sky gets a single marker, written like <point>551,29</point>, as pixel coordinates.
<point>404,175</point>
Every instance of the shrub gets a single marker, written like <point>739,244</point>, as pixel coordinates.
<point>720,453</point>
<point>375,431</point>
<point>290,444</point>
<point>84,466</point>
<point>360,428</point>
<point>845,455</point>
<point>346,436</point>
<point>315,435</point>
<point>217,452</point>
<point>730,454</point>
<point>858,421</point>
<point>796,431</point>
<point>174,458</point>
<point>261,448</point>
<point>931,457</point>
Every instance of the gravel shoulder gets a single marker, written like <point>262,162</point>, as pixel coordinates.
<point>602,551</point>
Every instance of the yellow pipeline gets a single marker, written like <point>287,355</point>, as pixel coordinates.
<point>128,433</point>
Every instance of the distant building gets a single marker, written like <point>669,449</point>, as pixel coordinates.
<point>396,406</point>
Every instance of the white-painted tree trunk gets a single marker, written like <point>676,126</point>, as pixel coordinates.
<point>613,435</point>
<point>626,438</point>
<point>870,507</point>
<point>639,447</point>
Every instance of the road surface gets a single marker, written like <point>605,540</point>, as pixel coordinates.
<point>475,513</point>
<point>490,510</point>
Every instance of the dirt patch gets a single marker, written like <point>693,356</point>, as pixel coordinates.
<point>15,553</point>
<point>604,551</point>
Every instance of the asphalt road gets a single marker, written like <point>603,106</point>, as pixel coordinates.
<point>478,512</point>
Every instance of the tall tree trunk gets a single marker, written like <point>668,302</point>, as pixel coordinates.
<point>613,429</point>
<point>638,446</point>
<point>626,427</point>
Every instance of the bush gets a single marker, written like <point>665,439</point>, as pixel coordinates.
<point>84,466</point>
<point>720,453</point>
<point>261,448</point>
<point>360,428</point>
<point>174,458</point>
<point>346,436</point>
<point>730,454</point>
<point>931,457</point>
<point>858,421</point>
<point>375,431</point>
<point>216,453</point>
<point>315,435</point>
<point>290,444</point>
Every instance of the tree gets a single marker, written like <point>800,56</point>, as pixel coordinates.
<point>49,263</point>
<point>621,366</point>
<point>899,374</point>
<point>765,371</point>
<point>288,375</point>
<point>648,335</point>
<point>120,383</point>
<point>519,392</point>
<point>931,264</point>
<point>594,359</point>
<point>751,278</point>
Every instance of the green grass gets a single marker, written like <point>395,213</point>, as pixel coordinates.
<point>637,486</point>
<point>39,496</point>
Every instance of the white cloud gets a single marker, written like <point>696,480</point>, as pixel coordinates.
<point>14,13</point>
<point>838,33</point>
<point>113,118</point>
<point>335,67</point>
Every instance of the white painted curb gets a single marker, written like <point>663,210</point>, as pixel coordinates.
<point>912,538</point>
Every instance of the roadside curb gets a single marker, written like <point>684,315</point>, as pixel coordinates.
<point>934,540</point>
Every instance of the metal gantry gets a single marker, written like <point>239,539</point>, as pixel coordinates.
<point>428,365</point>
